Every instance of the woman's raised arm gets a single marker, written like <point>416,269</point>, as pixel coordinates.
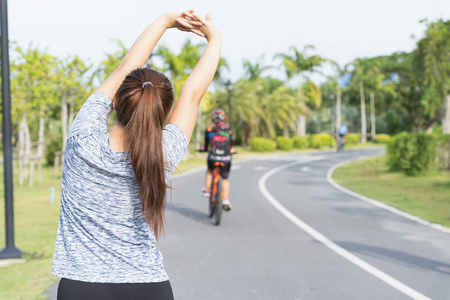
<point>185,113</point>
<point>143,47</point>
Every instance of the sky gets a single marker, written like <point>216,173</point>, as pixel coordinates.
<point>340,30</point>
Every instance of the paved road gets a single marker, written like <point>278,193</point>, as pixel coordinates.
<point>292,235</point>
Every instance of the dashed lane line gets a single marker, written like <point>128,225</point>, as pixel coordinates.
<point>401,287</point>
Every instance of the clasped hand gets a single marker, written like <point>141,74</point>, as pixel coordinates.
<point>191,22</point>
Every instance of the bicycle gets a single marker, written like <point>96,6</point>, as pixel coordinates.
<point>215,199</point>
<point>341,143</point>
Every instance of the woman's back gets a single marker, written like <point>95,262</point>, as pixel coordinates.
<point>101,213</point>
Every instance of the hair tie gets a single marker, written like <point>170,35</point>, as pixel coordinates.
<point>147,83</point>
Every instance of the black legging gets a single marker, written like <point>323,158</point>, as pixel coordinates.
<point>79,290</point>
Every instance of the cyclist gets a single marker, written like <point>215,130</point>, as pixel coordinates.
<point>343,131</point>
<point>220,137</point>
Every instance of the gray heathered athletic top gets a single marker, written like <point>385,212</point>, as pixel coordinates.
<point>102,234</point>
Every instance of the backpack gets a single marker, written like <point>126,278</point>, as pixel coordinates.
<point>220,139</point>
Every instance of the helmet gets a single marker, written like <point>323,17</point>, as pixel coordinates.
<point>218,115</point>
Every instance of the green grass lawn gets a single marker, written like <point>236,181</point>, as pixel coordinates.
<point>36,223</point>
<point>426,196</point>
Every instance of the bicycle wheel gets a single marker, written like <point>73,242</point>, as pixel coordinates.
<point>217,214</point>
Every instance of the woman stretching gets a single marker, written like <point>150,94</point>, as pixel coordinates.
<point>114,183</point>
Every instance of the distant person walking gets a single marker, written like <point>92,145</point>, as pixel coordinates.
<point>114,183</point>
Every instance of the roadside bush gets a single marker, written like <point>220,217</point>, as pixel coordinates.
<point>300,142</point>
<point>319,140</point>
<point>443,152</point>
<point>285,143</point>
<point>382,138</point>
<point>260,144</point>
<point>411,153</point>
<point>352,138</point>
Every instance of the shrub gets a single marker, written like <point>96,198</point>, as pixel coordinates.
<point>320,140</point>
<point>260,144</point>
<point>382,138</point>
<point>54,144</point>
<point>285,143</point>
<point>352,138</point>
<point>411,153</point>
<point>300,142</point>
<point>443,152</point>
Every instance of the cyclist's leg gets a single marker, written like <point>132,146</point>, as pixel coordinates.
<point>206,191</point>
<point>226,186</point>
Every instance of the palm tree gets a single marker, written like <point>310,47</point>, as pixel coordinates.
<point>299,63</point>
<point>246,113</point>
<point>337,83</point>
<point>179,66</point>
<point>359,76</point>
<point>280,108</point>
<point>254,71</point>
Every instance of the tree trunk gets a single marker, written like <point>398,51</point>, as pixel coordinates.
<point>301,125</point>
<point>286,130</point>
<point>40,147</point>
<point>21,151</point>
<point>245,133</point>
<point>363,113</point>
<point>338,107</point>
<point>64,121</point>
<point>26,148</point>
<point>446,116</point>
<point>301,120</point>
<point>71,115</point>
<point>373,131</point>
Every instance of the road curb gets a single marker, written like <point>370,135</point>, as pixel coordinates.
<point>377,203</point>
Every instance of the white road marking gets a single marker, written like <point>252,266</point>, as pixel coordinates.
<point>328,243</point>
<point>377,203</point>
<point>305,169</point>
<point>259,168</point>
<point>235,167</point>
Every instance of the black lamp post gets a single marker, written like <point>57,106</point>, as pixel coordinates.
<point>228,85</point>
<point>10,251</point>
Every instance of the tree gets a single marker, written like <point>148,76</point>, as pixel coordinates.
<point>33,95</point>
<point>299,63</point>
<point>254,71</point>
<point>432,57</point>
<point>413,95</point>
<point>179,66</point>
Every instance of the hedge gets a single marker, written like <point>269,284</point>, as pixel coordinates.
<point>382,138</point>
<point>320,140</point>
<point>411,153</point>
<point>352,138</point>
<point>285,143</point>
<point>300,142</point>
<point>260,144</point>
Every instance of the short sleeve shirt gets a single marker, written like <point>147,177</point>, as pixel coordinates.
<point>102,233</point>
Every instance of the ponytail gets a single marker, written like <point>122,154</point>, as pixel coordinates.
<point>142,110</point>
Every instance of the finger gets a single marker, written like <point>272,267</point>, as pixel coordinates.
<point>184,23</point>
<point>198,32</point>
<point>198,18</point>
<point>188,13</point>
<point>208,17</point>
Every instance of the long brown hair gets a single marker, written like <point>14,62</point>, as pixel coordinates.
<point>142,110</point>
